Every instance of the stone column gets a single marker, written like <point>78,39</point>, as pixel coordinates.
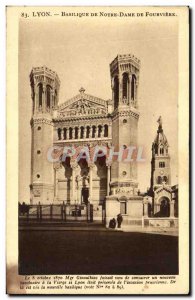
<point>73,166</point>
<point>109,130</point>
<point>130,79</point>
<point>79,132</point>
<point>103,131</point>
<point>145,209</point>
<point>78,190</point>
<point>172,204</point>
<point>108,178</point>
<point>67,133</point>
<point>57,166</point>
<point>90,131</point>
<point>84,132</point>
<point>120,88</point>
<point>91,166</point>
<point>44,104</point>
<point>35,101</point>
<point>73,133</point>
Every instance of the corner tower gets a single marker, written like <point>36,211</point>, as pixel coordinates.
<point>124,72</point>
<point>45,86</point>
<point>124,198</point>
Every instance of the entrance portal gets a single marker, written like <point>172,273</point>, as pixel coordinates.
<point>164,207</point>
<point>85,195</point>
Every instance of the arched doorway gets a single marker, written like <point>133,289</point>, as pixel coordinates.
<point>164,207</point>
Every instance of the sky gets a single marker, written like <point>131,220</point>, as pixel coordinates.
<point>80,51</point>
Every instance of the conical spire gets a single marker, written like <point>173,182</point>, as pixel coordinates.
<point>160,141</point>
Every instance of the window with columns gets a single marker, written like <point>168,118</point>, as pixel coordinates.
<point>59,133</point>
<point>133,87</point>
<point>83,132</point>
<point>48,95</point>
<point>125,85</point>
<point>93,131</point>
<point>106,130</point>
<point>40,92</point>
<point>65,133</point>
<point>55,98</point>
<point>116,92</point>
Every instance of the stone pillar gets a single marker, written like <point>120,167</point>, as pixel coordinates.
<point>120,88</point>
<point>73,133</point>
<point>91,166</point>
<point>67,133</point>
<point>130,79</point>
<point>90,131</point>
<point>79,132</point>
<point>44,104</point>
<point>78,191</point>
<point>35,101</point>
<point>103,131</point>
<point>109,130</point>
<point>108,178</point>
<point>172,204</point>
<point>73,166</point>
<point>57,166</point>
<point>84,132</point>
<point>145,209</point>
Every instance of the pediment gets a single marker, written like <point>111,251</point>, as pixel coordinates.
<point>83,105</point>
<point>164,188</point>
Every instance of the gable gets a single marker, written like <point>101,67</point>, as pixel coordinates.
<point>83,105</point>
<point>163,191</point>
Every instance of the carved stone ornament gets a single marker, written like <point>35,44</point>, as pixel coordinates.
<point>37,193</point>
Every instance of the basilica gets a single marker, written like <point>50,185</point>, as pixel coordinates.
<point>86,122</point>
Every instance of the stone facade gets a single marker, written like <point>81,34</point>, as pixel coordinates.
<point>87,122</point>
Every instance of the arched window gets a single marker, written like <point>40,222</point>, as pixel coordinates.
<point>40,88</point>
<point>116,92</point>
<point>159,180</point>
<point>88,132</point>
<point>165,179</point>
<point>76,133</point>
<point>125,85</point>
<point>133,87</point>
<point>82,132</point>
<point>48,95</point>
<point>162,151</point>
<point>65,133</point>
<point>106,130</point>
<point>99,130</point>
<point>70,133</point>
<point>55,98</point>
<point>59,133</point>
<point>93,131</point>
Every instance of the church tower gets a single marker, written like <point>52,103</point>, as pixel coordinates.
<point>161,191</point>
<point>160,163</point>
<point>124,199</point>
<point>45,94</point>
<point>124,72</point>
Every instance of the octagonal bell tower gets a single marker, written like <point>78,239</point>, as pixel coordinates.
<point>45,86</point>
<point>123,198</point>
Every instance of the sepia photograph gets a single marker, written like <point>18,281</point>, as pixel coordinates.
<point>98,154</point>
